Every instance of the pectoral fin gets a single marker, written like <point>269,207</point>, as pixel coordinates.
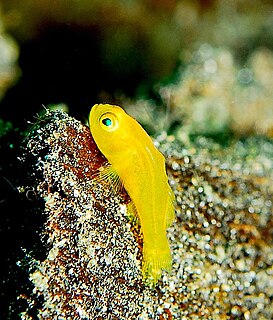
<point>109,175</point>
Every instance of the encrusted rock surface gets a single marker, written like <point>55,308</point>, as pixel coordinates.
<point>221,240</point>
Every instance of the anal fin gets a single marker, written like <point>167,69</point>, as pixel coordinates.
<point>132,212</point>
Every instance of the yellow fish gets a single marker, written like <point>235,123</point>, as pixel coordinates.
<point>140,168</point>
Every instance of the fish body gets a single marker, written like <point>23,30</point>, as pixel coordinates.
<point>140,168</point>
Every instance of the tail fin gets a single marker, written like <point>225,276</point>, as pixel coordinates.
<point>154,262</point>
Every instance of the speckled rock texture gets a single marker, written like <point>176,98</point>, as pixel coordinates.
<point>221,240</point>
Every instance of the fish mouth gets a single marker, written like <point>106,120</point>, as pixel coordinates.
<point>94,108</point>
<point>92,115</point>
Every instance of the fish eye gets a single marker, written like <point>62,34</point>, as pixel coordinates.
<point>109,121</point>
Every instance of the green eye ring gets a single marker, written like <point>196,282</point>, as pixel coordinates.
<point>108,121</point>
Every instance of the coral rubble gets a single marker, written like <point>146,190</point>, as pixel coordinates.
<point>221,240</point>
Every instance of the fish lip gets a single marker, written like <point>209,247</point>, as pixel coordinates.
<point>93,111</point>
<point>95,107</point>
<point>91,116</point>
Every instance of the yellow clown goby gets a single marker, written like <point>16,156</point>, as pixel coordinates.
<point>140,168</point>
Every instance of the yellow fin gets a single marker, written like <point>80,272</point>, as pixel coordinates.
<point>153,264</point>
<point>132,212</point>
<point>108,173</point>
<point>170,213</point>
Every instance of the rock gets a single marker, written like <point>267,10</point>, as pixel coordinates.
<point>221,241</point>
